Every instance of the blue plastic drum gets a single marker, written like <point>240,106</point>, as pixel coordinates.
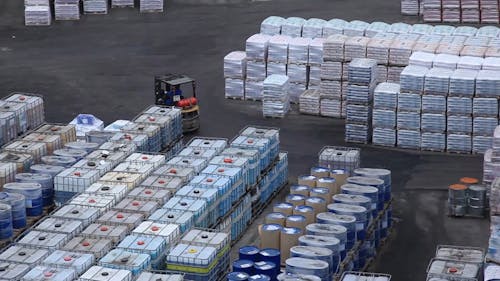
<point>249,253</point>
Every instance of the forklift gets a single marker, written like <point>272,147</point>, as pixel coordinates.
<point>174,90</point>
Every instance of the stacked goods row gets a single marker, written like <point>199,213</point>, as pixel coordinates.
<point>298,58</point>
<point>412,7</point>
<point>276,96</point>
<point>275,51</point>
<point>456,263</point>
<point>468,198</point>
<point>37,12</point>
<point>460,11</point>
<point>444,103</point>
<point>362,80</point>
<point>126,211</point>
<point>313,28</point>
<point>339,216</point>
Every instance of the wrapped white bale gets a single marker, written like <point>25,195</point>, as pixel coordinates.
<point>450,49</point>
<point>382,73</point>
<point>410,7</point>
<point>477,41</point>
<point>101,6</point>
<point>331,88</point>
<point>422,59</point>
<point>488,31</point>
<point>313,28</point>
<point>67,9</point>
<point>412,78</point>
<point>271,25</point>
<point>309,102</point>
<point>376,27</point>
<point>487,107</point>
<point>378,49</point>
<point>296,89</point>
<point>292,26</point>
<point>37,15</point>
<point>36,3</point>
<point>422,28</point>
<point>330,107</point>
<point>401,50</point>
<point>235,65</point>
<point>276,99</point>
<point>400,28</point>
<point>488,83</point>
<point>276,68</point>
<point>491,63</point>
<point>151,6</point>
<point>331,70</point>
<point>256,70</point>
<point>297,73</point>
<point>298,50</point>
<point>470,62</point>
<point>393,73</point>
<point>356,28</point>
<point>355,47</point>
<point>437,81</point>
<point>316,51</point>
<point>465,31</point>
<point>462,82</point>
<point>256,47</point>
<point>278,48</point>
<point>314,75</point>
<point>334,26</point>
<point>474,51</point>
<point>235,88</point>
<point>446,61</point>
<point>253,89</point>
<point>443,29</point>
<point>333,47</point>
<point>493,51</point>
<point>425,47</point>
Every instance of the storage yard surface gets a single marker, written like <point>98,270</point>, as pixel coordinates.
<point>104,65</point>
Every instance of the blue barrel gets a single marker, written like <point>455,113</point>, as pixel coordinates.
<point>357,200</point>
<point>17,203</point>
<point>368,191</point>
<point>244,266</point>
<point>270,254</point>
<point>249,253</point>
<point>6,230</point>
<point>267,268</point>
<point>52,170</point>
<point>317,253</point>
<point>57,160</point>
<point>259,277</point>
<point>237,276</point>
<point>359,212</point>
<point>45,180</point>
<point>382,174</point>
<point>32,194</point>
<point>346,221</point>
<point>375,182</point>
<point>78,154</point>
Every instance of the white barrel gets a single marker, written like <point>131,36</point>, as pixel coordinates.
<point>307,180</point>
<point>270,235</point>
<point>318,204</point>
<point>289,237</point>
<point>368,191</point>
<point>297,277</point>
<point>316,253</point>
<point>320,172</point>
<point>306,211</point>
<point>64,161</point>
<point>295,199</point>
<point>300,189</point>
<point>327,242</point>
<point>357,200</point>
<point>285,208</point>
<point>308,267</point>
<point>329,230</point>
<point>296,221</point>
<point>275,218</point>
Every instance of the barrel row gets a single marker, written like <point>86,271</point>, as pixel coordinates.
<point>331,214</point>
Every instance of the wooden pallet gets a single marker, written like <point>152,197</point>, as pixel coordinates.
<point>235,98</point>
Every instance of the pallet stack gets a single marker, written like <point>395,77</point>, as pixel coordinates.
<point>256,71</point>
<point>454,11</point>
<point>362,75</point>
<point>67,9</point>
<point>234,74</point>
<point>37,12</point>
<point>333,78</point>
<point>151,6</point>
<point>385,104</point>
<point>276,96</point>
<point>95,7</point>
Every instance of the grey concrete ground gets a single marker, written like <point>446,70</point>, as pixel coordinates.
<point>104,64</point>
